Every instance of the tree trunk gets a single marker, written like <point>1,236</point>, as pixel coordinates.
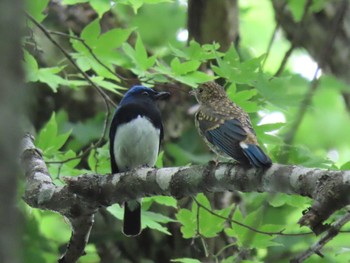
<point>11,90</point>
<point>213,21</point>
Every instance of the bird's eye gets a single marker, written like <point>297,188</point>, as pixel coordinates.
<point>145,93</point>
<point>200,90</point>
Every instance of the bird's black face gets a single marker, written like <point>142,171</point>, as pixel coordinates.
<point>140,92</point>
<point>161,95</point>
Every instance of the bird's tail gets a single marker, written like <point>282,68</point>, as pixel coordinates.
<point>257,158</point>
<point>132,218</point>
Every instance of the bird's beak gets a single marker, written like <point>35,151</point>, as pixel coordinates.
<point>162,95</point>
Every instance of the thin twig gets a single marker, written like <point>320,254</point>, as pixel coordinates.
<point>294,39</point>
<point>269,47</point>
<point>206,253</point>
<point>289,137</point>
<point>91,147</point>
<point>71,60</point>
<point>284,60</point>
<point>279,233</point>
<point>90,51</point>
<point>223,249</point>
<point>329,235</point>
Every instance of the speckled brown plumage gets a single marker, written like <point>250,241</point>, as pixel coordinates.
<point>226,128</point>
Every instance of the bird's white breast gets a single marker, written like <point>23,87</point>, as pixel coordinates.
<point>136,144</point>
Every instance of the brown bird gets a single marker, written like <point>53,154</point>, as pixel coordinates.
<point>226,128</point>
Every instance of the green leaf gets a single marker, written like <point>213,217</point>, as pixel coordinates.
<point>345,166</point>
<point>50,77</point>
<point>245,95</point>
<point>117,211</point>
<point>159,162</point>
<point>278,200</point>
<point>31,67</point>
<point>48,140</point>
<point>139,57</point>
<point>60,140</point>
<point>66,168</point>
<point>114,38</point>
<point>104,47</point>
<point>154,221</point>
<point>185,67</point>
<point>163,200</point>
<point>91,253</point>
<point>36,8</point>
<point>87,62</point>
<point>276,91</point>
<point>90,33</point>
<point>248,238</point>
<point>136,4</point>
<point>101,6</point>
<point>191,79</point>
<point>185,260</point>
<point>241,98</point>
<point>53,227</point>
<point>297,8</point>
<point>47,134</point>
<point>188,221</point>
<point>99,160</point>
<point>149,219</point>
<point>232,69</point>
<point>46,75</point>
<point>197,52</point>
<point>140,50</point>
<point>107,85</point>
<point>183,156</point>
<point>209,225</point>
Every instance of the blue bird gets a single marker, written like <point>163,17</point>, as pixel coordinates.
<point>226,128</point>
<point>135,135</point>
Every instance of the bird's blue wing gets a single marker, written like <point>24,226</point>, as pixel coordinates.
<point>229,130</point>
<point>227,137</point>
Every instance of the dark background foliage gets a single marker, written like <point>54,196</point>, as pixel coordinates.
<point>284,62</point>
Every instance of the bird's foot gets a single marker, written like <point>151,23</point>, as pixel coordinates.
<point>222,159</point>
<point>145,166</point>
<point>214,162</point>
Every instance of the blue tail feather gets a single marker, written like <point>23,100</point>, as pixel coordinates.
<point>256,156</point>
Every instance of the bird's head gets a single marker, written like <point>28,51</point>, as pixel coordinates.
<point>209,91</point>
<point>144,93</point>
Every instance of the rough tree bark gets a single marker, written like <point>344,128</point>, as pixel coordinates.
<point>81,197</point>
<point>11,88</point>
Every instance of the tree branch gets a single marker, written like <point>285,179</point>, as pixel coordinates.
<point>328,236</point>
<point>42,193</point>
<point>81,197</point>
